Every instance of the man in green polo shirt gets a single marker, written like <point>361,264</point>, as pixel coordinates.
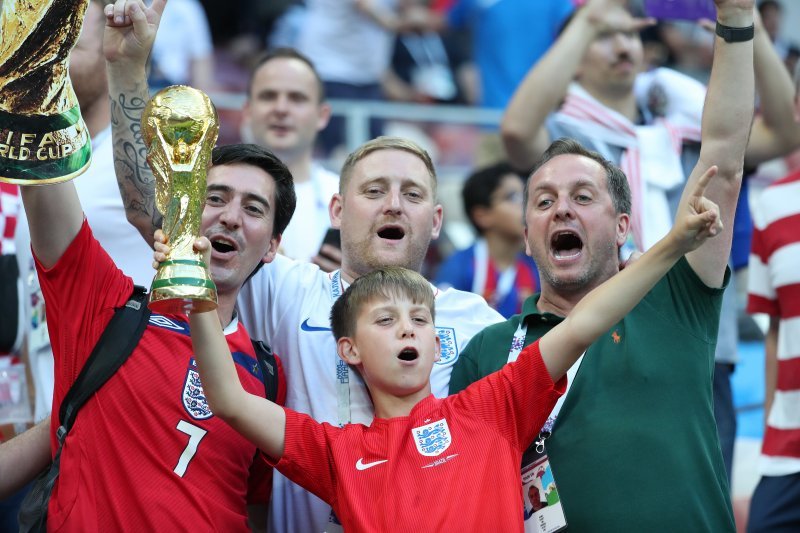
<point>634,446</point>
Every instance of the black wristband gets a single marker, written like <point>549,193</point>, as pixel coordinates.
<point>736,35</point>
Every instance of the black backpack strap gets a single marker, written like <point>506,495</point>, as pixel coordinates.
<point>269,369</point>
<point>116,343</point>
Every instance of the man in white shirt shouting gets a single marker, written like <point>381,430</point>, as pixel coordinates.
<point>387,211</point>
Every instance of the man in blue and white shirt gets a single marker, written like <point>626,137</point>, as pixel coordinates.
<point>387,211</point>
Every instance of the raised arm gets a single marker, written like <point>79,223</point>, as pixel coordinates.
<point>697,220</point>
<point>545,86</point>
<point>775,132</point>
<point>130,31</point>
<point>727,116</point>
<point>260,421</point>
<point>23,457</point>
<point>54,217</point>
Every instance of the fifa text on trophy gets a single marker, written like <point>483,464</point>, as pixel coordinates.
<point>42,136</point>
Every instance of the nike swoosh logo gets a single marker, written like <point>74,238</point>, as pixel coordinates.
<point>363,466</point>
<point>305,327</point>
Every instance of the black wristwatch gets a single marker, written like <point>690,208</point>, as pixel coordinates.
<point>736,35</point>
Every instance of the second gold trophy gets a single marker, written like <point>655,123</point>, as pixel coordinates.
<point>180,128</point>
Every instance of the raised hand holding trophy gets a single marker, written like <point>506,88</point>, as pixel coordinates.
<point>180,127</point>
<point>42,136</point>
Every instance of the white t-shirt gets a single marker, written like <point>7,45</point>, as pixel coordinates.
<point>344,44</point>
<point>183,36</point>
<point>102,205</point>
<point>288,304</point>
<point>303,236</point>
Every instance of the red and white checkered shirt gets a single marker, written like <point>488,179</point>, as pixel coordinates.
<point>775,289</point>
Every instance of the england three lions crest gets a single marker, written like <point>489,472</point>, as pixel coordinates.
<point>194,399</point>
<point>432,439</point>
<point>449,343</point>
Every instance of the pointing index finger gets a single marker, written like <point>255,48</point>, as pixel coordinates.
<point>702,183</point>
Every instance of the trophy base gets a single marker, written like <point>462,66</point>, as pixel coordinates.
<point>182,286</point>
<point>181,305</point>
<point>38,150</point>
<point>43,181</point>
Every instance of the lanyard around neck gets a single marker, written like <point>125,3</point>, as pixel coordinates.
<point>344,414</point>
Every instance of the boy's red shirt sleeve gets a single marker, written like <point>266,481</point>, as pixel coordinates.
<point>260,488</point>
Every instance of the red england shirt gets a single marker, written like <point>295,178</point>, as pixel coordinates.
<point>145,453</point>
<point>451,465</point>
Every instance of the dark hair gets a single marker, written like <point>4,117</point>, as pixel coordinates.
<point>479,187</point>
<point>616,182</point>
<point>286,53</point>
<point>251,154</point>
<point>382,283</point>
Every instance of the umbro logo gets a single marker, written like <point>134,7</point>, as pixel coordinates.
<point>361,465</point>
<point>306,327</point>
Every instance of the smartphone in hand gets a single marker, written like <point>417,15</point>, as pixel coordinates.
<point>329,257</point>
<point>680,9</point>
<point>332,237</point>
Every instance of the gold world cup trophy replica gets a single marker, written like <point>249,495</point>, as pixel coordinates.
<point>180,127</point>
<point>42,136</point>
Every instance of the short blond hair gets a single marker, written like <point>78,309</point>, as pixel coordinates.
<point>385,143</point>
<point>383,283</point>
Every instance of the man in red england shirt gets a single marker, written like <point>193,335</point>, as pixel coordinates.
<point>146,451</point>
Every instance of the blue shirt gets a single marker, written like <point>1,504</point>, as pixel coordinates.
<point>509,37</point>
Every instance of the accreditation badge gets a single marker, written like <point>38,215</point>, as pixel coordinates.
<point>542,509</point>
<point>541,504</point>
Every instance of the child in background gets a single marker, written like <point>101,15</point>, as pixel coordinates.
<point>426,464</point>
<point>495,266</point>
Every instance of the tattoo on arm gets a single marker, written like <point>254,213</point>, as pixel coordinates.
<point>134,177</point>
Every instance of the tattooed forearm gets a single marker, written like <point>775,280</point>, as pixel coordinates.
<point>134,177</point>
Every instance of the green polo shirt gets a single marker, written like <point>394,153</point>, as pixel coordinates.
<point>635,446</point>
<point>487,351</point>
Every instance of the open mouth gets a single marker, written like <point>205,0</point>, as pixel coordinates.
<point>408,354</point>
<point>222,246</point>
<point>392,233</point>
<point>566,244</point>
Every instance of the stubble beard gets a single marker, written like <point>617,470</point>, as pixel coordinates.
<point>593,274</point>
<point>363,258</point>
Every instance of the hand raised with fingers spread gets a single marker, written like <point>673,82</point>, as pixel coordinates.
<point>698,217</point>
<point>130,30</point>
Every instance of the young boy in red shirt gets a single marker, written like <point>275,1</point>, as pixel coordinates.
<point>426,464</point>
